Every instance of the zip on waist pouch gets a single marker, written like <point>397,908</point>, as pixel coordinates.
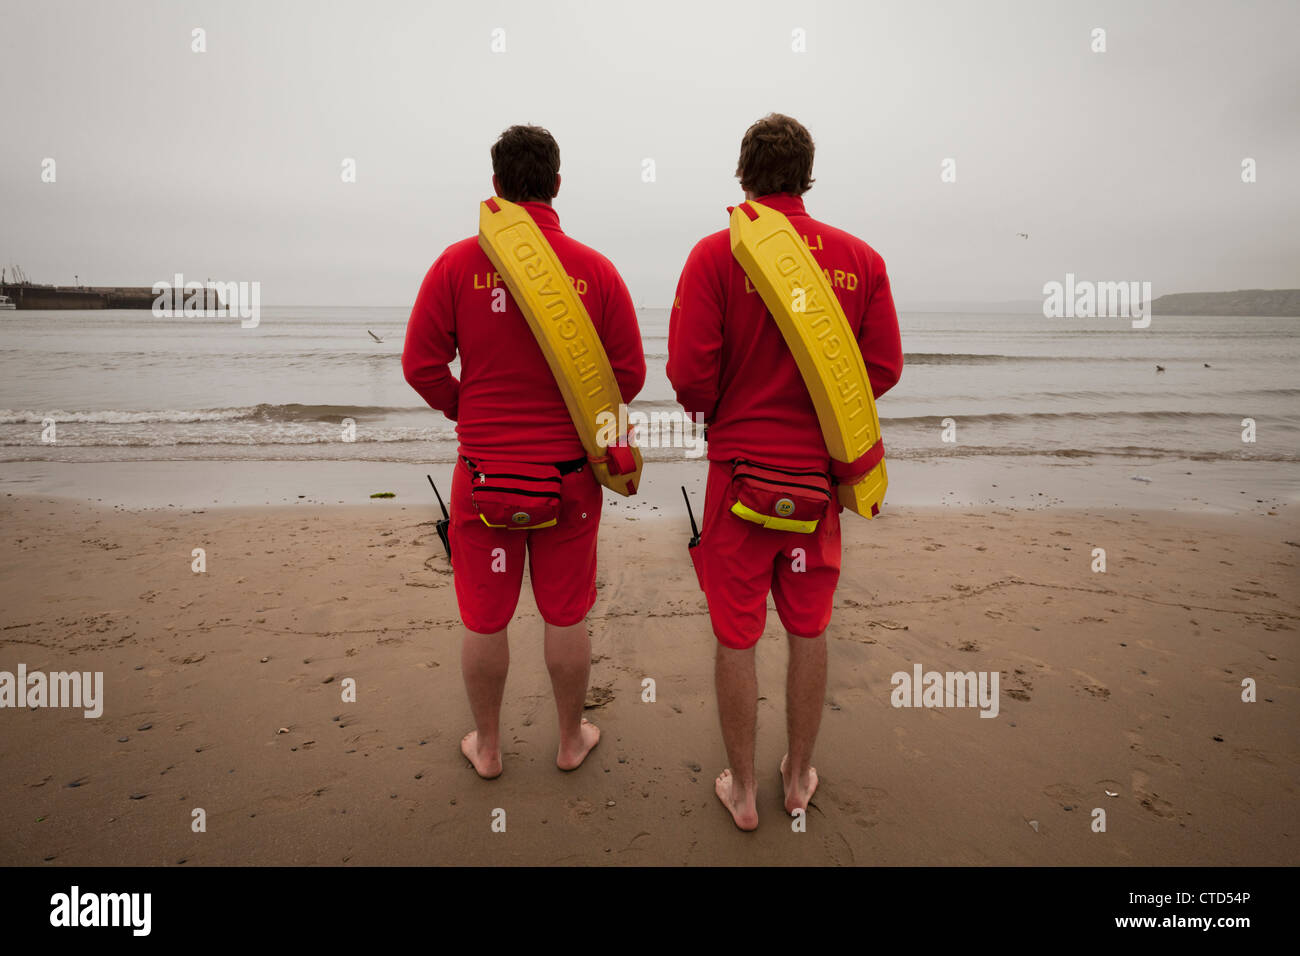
<point>517,495</point>
<point>779,498</point>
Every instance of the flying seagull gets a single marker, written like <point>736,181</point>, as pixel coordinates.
<point>1023,235</point>
<point>373,336</point>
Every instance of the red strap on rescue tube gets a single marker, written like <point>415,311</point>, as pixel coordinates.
<point>850,473</point>
<point>621,461</point>
<point>619,457</point>
<point>492,204</point>
<point>749,211</point>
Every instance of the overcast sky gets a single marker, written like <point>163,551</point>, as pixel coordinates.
<point>1123,165</point>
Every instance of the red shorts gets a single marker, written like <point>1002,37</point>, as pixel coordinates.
<point>739,562</point>
<point>488,563</point>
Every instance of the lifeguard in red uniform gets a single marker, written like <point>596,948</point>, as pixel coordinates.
<point>508,408</point>
<point>728,360</point>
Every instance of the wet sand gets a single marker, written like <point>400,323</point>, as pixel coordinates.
<point>1127,681</point>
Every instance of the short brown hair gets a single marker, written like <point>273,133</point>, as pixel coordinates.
<point>525,161</point>
<point>776,156</point>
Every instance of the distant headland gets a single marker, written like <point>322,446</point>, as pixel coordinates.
<point>1256,302</point>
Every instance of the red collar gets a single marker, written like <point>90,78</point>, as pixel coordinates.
<point>543,214</point>
<point>787,204</point>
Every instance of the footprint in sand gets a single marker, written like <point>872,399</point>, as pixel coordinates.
<point>836,846</point>
<point>1250,753</point>
<point>1020,692</point>
<point>863,807</point>
<point>1160,807</point>
<point>1149,799</point>
<point>1138,745</point>
<point>598,696</point>
<point>1063,793</point>
<point>579,809</point>
<point>1091,685</point>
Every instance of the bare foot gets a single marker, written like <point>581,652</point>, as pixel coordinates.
<point>798,793</point>
<point>571,758</point>
<point>740,806</point>
<point>488,765</point>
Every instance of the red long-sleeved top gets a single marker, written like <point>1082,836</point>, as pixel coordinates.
<point>506,403</point>
<point>728,360</point>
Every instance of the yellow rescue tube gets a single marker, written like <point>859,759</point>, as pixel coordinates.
<point>559,321</point>
<point>795,290</point>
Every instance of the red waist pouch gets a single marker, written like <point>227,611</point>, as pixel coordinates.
<point>520,496</point>
<point>782,499</point>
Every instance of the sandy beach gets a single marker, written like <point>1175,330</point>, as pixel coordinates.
<point>222,691</point>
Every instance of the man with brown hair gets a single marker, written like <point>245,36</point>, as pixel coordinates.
<point>727,360</point>
<point>508,408</point>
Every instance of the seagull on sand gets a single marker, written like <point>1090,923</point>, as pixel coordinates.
<point>1160,368</point>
